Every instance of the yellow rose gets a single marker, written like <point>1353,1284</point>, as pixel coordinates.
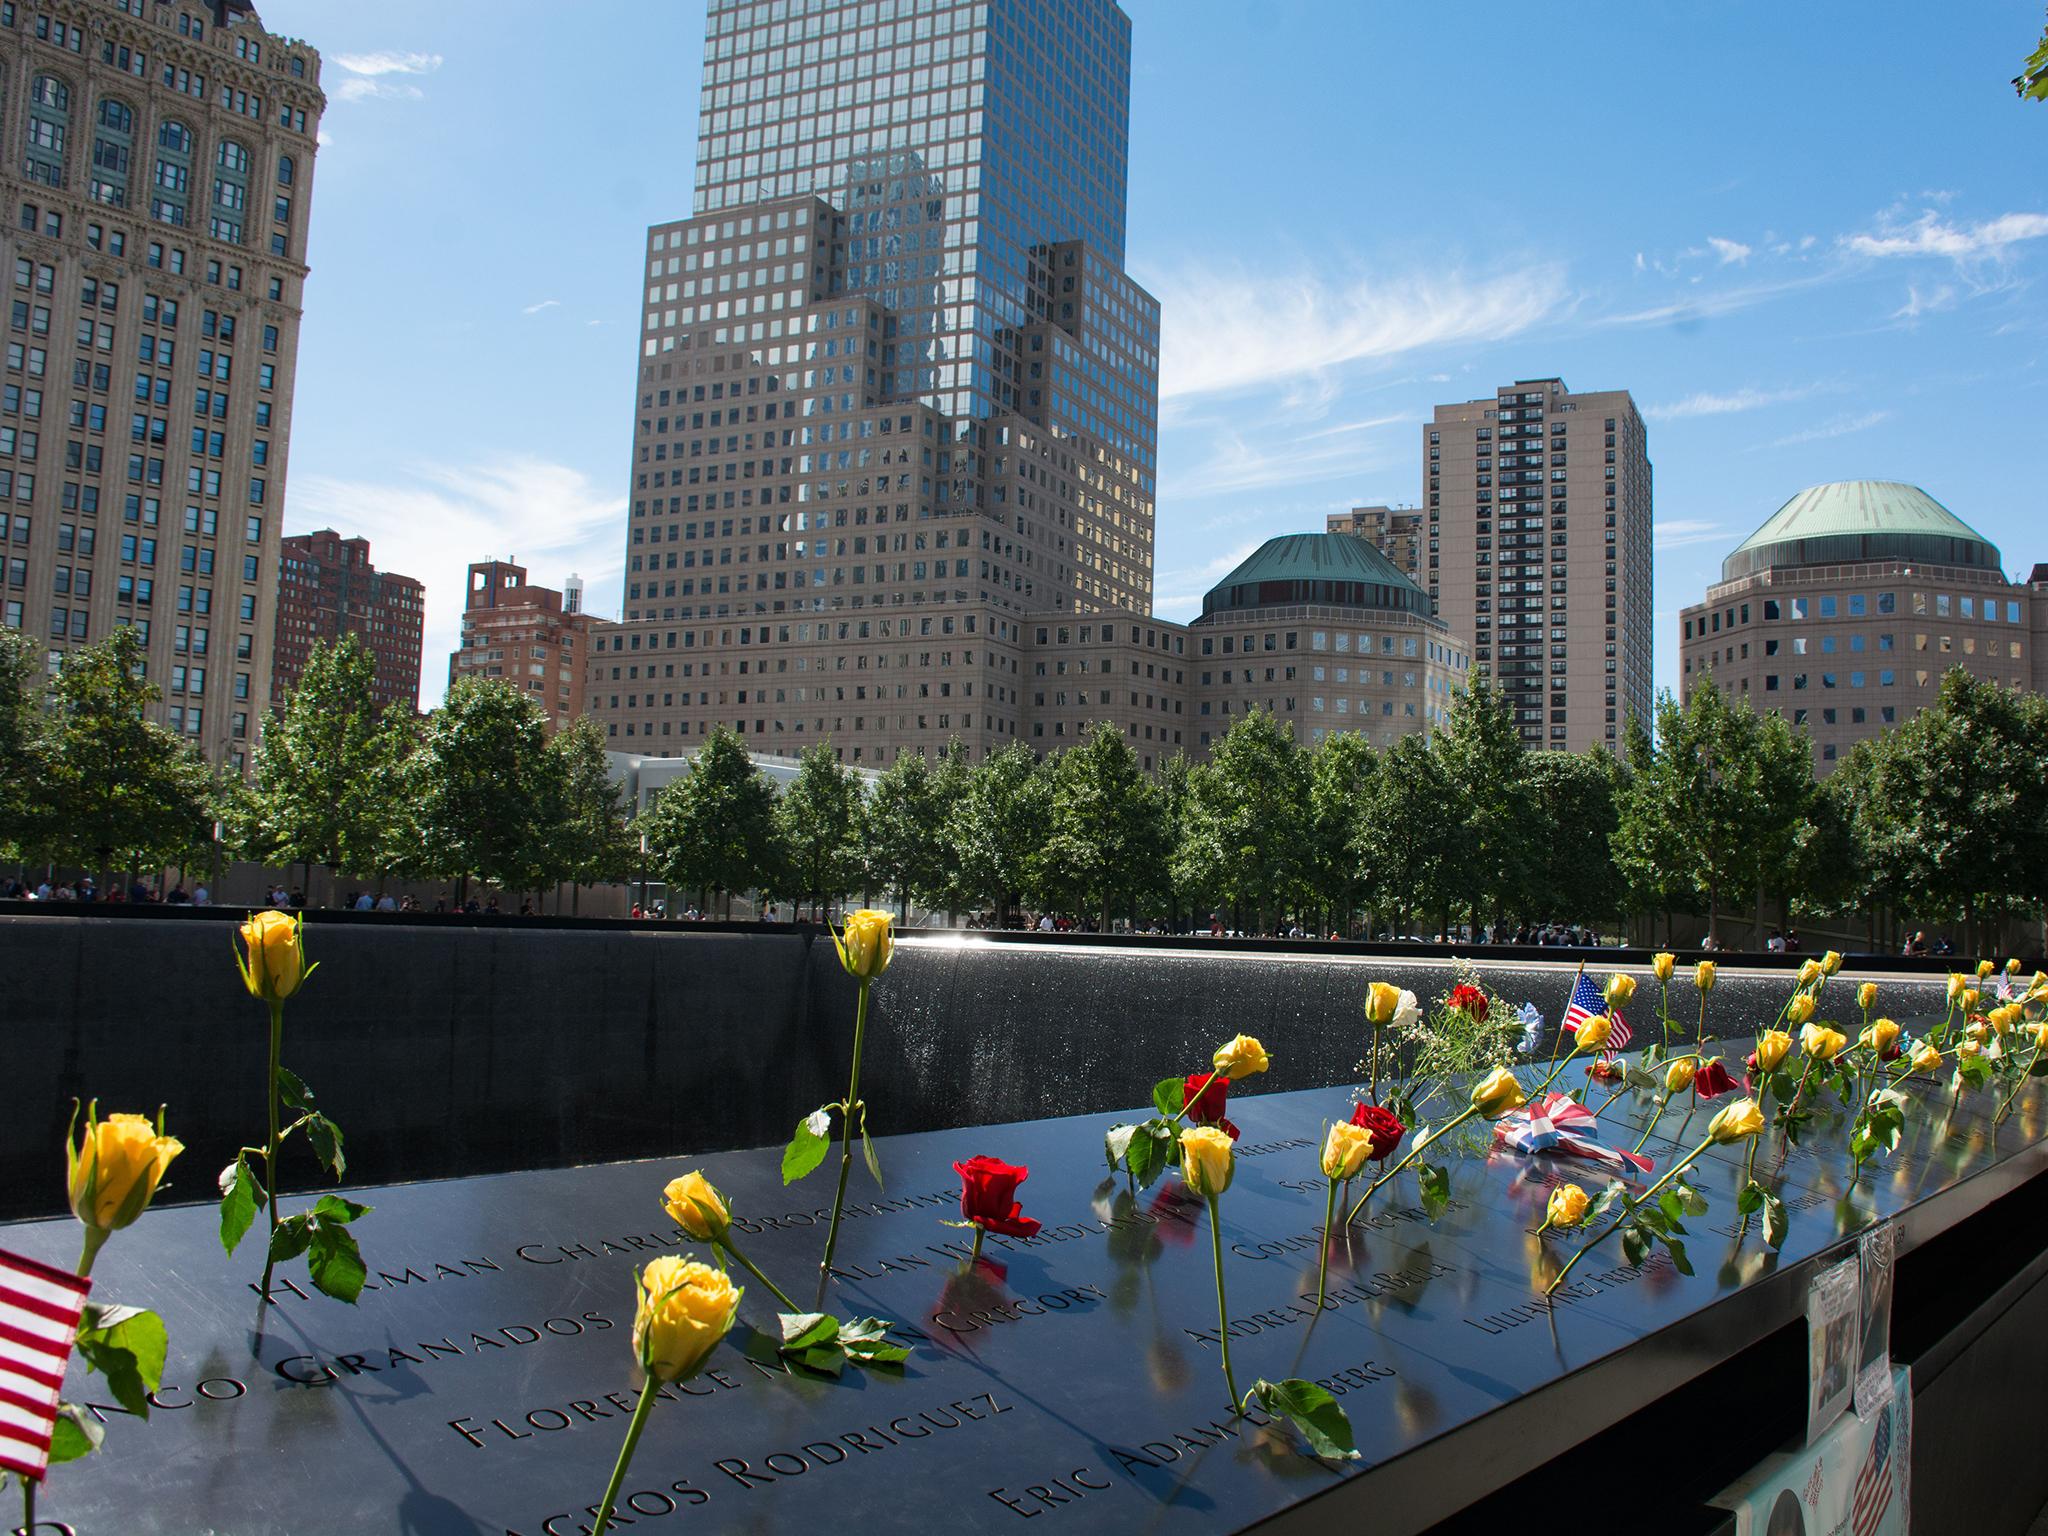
<point>1740,1119</point>
<point>867,943</point>
<point>1345,1150</point>
<point>685,1308</point>
<point>1207,1160</point>
<point>1241,1058</point>
<point>1881,1037</point>
<point>1679,1075</point>
<point>1620,989</point>
<point>272,957</point>
<point>1771,1048</point>
<point>2005,1019</point>
<point>695,1205</point>
<point>1831,962</point>
<point>1984,968</point>
<point>1500,1091</point>
<point>1822,1043</point>
<point>1925,1057</point>
<point>2039,1033</point>
<point>1978,1032</point>
<point>1662,965</point>
<point>1971,997</point>
<point>1381,999</point>
<point>1800,1009</point>
<point>1866,996</point>
<point>1595,1032</point>
<point>1703,975</point>
<point>1809,972</point>
<point>115,1167</point>
<point>1957,985</point>
<point>2012,966</point>
<point>1567,1206</point>
<point>1969,1050</point>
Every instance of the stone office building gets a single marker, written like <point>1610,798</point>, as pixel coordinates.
<point>156,158</point>
<point>1845,608</point>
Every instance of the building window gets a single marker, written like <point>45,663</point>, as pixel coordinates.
<point>49,124</point>
<point>230,191</point>
<point>173,180</point>
<point>112,149</point>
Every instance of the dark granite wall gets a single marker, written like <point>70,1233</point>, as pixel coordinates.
<point>447,1049</point>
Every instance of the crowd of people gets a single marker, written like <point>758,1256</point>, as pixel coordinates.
<point>86,889</point>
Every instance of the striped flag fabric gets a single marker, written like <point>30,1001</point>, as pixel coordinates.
<point>1587,1003</point>
<point>1874,1480</point>
<point>40,1308</point>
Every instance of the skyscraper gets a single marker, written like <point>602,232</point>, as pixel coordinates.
<point>1399,533</point>
<point>157,162</point>
<point>1539,537</point>
<point>896,392</point>
<point>327,588</point>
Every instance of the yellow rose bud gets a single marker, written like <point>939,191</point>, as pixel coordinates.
<point>1620,989</point>
<point>1881,1037</point>
<point>1984,969</point>
<point>685,1308</point>
<point>1567,1206</point>
<point>2012,966</point>
<point>1925,1057</point>
<point>695,1205</point>
<point>1207,1160</point>
<point>1771,1048</point>
<point>1500,1091</point>
<point>1381,999</point>
<point>2005,1019</point>
<point>1703,975</point>
<point>1978,1032</point>
<point>1866,996</point>
<point>1345,1150</point>
<point>1662,965</point>
<point>1679,1075</point>
<point>2038,1032</point>
<point>1969,1050</point>
<point>114,1169</point>
<point>1595,1032</point>
<point>1957,984</point>
<point>1971,997</point>
<point>1831,962</point>
<point>1800,1009</point>
<point>1822,1043</point>
<point>1809,973</point>
<point>272,957</point>
<point>1740,1119</point>
<point>867,943</point>
<point>1241,1058</point>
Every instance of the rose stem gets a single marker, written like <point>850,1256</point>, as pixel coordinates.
<point>1413,1152</point>
<point>1323,1269</point>
<point>1614,1225</point>
<point>748,1264</point>
<point>270,1147</point>
<point>1222,1313</point>
<point>860,1029</point>
<point>611,1492</point>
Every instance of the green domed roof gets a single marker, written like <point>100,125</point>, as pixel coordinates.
<point>1332,569</point>
<point>1850,520</point>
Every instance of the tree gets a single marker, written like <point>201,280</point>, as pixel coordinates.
<point>2032,80</point>
<point>1341,775</point>
<point>907,852</point>
<point>1483,765</point>
<point>1570,871</point>
<point>1108,837</point>
<point>1405,834</point>
<point>120,788</point>
<point>24,742</point>
<point>819,818</point>
<point>998,825</point>
<point>478,783</point>
<point>1245,835</point>
<point>326,770</point>
<point>589,842</point>
<point>713,830</point>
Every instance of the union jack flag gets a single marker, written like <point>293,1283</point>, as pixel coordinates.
<point>1874,1480</point>
<point>1587,1003</point>
<point>39,1312</point>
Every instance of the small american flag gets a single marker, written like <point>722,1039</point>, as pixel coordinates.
<point>39,1312</point>
<point>1874,1481</point>
<point>1587,1003</point>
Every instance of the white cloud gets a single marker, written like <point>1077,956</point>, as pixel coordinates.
<point>1918,303</point>
<point>534,309</point>
<point>369,75</point>
<point>1230,329</point>
<point>1840,426</point>
<point>1731,252</point>
<point>432,520</point>
<point>1238,463</point>
<point>1707,404</point>
<point>1931,235</point>
<point>1706,306</point>
<point>1676,533</point>
<point>1180,592</point>
<point>358,89</point>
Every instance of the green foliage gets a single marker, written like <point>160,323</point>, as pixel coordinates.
<point>907,851</point>
<point>1244,835</point>
<point>822,823</point>
<point>999,824</point>
<point>583,815</point>
<point>127,1346</point>
<point>1404,834</point>
<point>1342,775</point>
<point>1570,871</point>
<point>1311,1410</point>
<point>241,1197</point>
<point>807,1147</point>
<point>823,1343</point>
<point>478,785</point>
<point>2032,80</point>
<point>24,742</point>
<point>1479,753</point>
<point>714,829</point>
<point>1108,838</point>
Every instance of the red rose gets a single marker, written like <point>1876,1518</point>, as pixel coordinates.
<point>988,1196</point>
<point>1713,1080</point>
<point>1606,1070</point>
<point>1749,1073</point>
<point>1466,998</point>
<point>1383,1125</point>
<point>1205,1094</point>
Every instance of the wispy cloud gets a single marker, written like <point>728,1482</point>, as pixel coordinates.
<point>1708,404</point>
<point>1678,532</point>
<point>1707,306</point>
<point>1918,303</point>
<point>432,520</point>
<point>1932,235</point>
<point>1731,252</point>
<point>1256,458</point>
<point>534,309</point>
<point>379,75</point>
<point>1840,426</point>
<point>1234,328</point>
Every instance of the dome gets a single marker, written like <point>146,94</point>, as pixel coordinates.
<point>1851,520</point>
<point>1335,570</point>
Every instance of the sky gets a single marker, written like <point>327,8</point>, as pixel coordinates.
<point>1808,239</point>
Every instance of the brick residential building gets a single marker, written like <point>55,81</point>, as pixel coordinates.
<point>327,588</point>
<point>157,165</point>
<point>532,636</point>
<point>1399,533</point>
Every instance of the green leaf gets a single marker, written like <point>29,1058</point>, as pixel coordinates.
<point>829,1359</point>
<point>1435,1182</point>
<point>1751,1200</point>
<point>294,1094</point>
<point>1636,1077</point>
<point>1116,1143</point>
<point>878,1354</point>
<point>1672,1205</point>
<point>325,1136</point>
<point>240,1198</point>
<point>290,1237</point>
<point>864,1330</point>
<point>1635,1242</point>
<point>806,1330</point>
<point>1678,1255</point>
<point>336,1263</point>
<point>1314,1412</point>
<point>76,1433</point>
<point>1169,1096</point>
<point>867,1151</point>
<point>1695,1203</point>
<point>127,1346</point>
<point>339,1212</point>
<point>1615,1192</point>
<point>807,1148</point>
<point>1776,1222</point>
